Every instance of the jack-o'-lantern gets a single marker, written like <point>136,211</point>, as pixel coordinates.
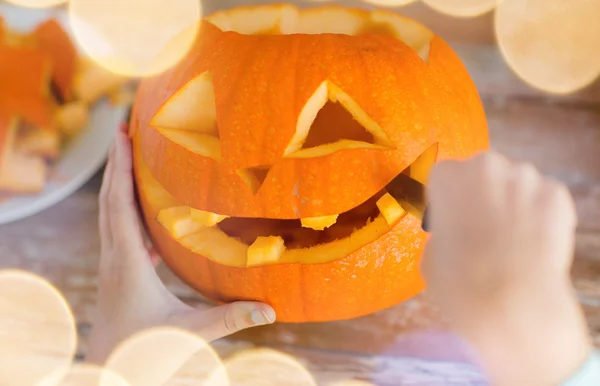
<point>261,159</point>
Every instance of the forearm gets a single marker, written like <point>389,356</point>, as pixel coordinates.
<point>543,349</point>
<point>537,360</point>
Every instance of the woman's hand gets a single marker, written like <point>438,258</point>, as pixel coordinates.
<point>131,296</point>
<point>498,266</point>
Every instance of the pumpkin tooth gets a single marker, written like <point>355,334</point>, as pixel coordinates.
<point>265,250</point>
<point>319,223</point>
<point>206,218</point>
<point>420,169</point>
<point>390,209</point>
<point>178,221</point>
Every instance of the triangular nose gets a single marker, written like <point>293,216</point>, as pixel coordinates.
<point>254,177</point>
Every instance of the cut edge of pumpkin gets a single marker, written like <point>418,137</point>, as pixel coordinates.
<point>191,108</point>
<point>420,169</point>
<point>330,92</point>
<point>254,177</point>
<point>202,144</point>
<point>289,19</point>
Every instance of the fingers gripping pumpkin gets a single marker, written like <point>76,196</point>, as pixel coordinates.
<point>261,160</point>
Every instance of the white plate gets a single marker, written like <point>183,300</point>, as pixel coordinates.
<point>85,153</point>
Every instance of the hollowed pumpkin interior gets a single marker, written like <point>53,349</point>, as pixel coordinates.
<point>330,121</point>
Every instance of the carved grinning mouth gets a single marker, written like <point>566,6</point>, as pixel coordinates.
<point>243,242</point>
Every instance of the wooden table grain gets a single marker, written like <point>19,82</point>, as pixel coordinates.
<point>558,134</point>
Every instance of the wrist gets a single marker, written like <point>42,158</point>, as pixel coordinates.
<point>542,345</point>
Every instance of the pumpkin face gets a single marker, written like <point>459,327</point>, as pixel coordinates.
<point>261,159</point>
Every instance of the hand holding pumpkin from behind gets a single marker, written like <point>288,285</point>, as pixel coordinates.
<point>498,266</point>
<point>131,296</point>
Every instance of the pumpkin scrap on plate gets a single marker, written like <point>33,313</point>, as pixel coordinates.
<point>46,90</point>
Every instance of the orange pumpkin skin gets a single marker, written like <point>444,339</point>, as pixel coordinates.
<point>52,39</point>
<point>261,84</point>
<point>24,74</point>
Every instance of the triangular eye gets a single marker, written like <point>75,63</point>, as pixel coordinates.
<point>189,118</point>
<point>191,108</point>
<point>331,121</point>
<point>254,177</point>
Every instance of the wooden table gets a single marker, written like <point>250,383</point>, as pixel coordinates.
<point>560,135</point>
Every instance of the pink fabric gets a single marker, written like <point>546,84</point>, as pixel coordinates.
<point>434,358</point>
<point>434,345</point>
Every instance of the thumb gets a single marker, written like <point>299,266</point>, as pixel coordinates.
<point>221,321</point>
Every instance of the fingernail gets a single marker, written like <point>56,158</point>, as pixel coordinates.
<point>261,316</point>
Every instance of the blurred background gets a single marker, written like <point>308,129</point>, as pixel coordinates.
<point>535,63</point>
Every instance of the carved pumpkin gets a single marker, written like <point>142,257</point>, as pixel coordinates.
<point>261,159</point>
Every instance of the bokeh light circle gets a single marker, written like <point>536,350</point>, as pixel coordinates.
<point>133,37</point>
<point>551,44</point>
<point>87,375</point>
<point>37,3</point>
<point>266,367</point>
<point>462,8</point>
<point>37,329</point>
<point>167,356</point>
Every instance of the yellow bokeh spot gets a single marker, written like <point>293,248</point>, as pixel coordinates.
<point>37,330</point>
<point>167,356</point>
<point>390,3</point>
<point>266,367</point>
<point>37,3</point>
<point>551,44</point>
<point>462,8</point>
<point>87,375</point>
<point>133,37</point>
